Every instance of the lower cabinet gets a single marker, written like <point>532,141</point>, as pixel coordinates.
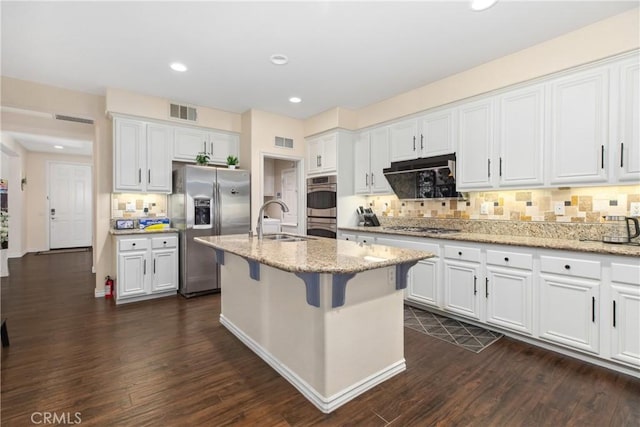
<point>625,313</point>
<point>461,281</point>
<point>147,266</point>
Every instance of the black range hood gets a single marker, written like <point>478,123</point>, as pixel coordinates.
<point>427,178</point>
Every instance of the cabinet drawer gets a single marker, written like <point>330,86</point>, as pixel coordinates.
<point>462,253</point>
<point>429,247</point>
<point>625,273</point>
<point>570,267</point>
<point>510,259</point>
<point>133,244</point>
<point>164,242</point>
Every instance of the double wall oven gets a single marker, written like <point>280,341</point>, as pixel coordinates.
<point>322,206</point>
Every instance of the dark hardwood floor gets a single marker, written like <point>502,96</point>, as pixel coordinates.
<point>169,362</point>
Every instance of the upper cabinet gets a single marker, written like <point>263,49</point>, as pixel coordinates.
<point>627,161</point>
<point>322,154</point>
<point>473,163</point>
<point>371,156</point>
<point>579,127</point>
<point>217,145</point>
<point>142,156</point>
<point>432,134</point>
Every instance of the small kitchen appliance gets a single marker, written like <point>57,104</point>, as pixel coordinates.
<point>620,229</point>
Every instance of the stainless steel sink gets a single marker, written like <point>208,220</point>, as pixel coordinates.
<point>285,238</point>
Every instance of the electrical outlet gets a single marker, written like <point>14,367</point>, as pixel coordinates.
<point>484,208</point>
<point>635,209</point>
<point>392,275</point>
<point>558,208</point>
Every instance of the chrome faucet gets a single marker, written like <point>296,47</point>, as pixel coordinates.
<point>284,207</point>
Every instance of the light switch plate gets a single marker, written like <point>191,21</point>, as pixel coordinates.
<point>484,208</point>
<point>558,208</point>
<point>634,209</point>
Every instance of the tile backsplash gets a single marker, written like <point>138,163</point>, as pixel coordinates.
<point>136,205</point>
<point>551,205</point>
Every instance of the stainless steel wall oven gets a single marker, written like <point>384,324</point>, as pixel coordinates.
<point>322,208</point>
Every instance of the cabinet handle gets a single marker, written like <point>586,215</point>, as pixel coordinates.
<point>133,244</point>
<point>567,267</point>
<point>144,267</point>
<point>614,313</point>
<point>460,253</point>
<point>164,243</point>
<point>414,143</point>
<point>149,176</point>
<point>475,282</point>
<point>204,147</point>
<point>372,179</point>
<point>211,145</point>
<point>488,168</point>
<point>486,287</point>
<point>366,179</point>
<point>622,154</point>
<point>320,157</point>
<point>154,266</point>
<point>602,157</point>
<point>139,175</point>
<point>593,309</point>
<point>506,259</point>
<point>421,141</point>
<point>500,168</point>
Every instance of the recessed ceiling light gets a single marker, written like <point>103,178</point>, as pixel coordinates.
<point>480,5</point>
<point>58,147</point>
<point>279,59</point>
<point>177,66</point>
<point>295,99</point>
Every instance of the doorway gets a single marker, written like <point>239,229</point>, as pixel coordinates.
<point>281,180</point>
<point>70,205</point>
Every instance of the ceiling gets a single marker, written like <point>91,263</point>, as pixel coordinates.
<point>47,144</point>
<point>348,54</point>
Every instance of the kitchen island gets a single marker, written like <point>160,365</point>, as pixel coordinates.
<point>326,314</point>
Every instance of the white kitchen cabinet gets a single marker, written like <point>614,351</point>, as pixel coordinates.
<point>461,281</point>
<point>520,137</point>
<point>147,266</point>
<point>432,134</point>
<point>189,142</point>
<point>508,290</point>
<point>322,154</point>
<point>142,156</point>
<point>627,161</point>
<point>625,313</point>
<point>579,127</point>
<point>569,302</point>
<point>371,155</point>
<point>475,145</point>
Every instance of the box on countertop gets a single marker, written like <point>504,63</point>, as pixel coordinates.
<point>154,223</point>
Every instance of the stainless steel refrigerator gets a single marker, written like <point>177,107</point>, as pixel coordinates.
<point>206,201</point>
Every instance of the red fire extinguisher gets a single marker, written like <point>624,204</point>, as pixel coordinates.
<point>108,287</point>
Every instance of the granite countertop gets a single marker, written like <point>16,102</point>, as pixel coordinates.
<point>115,232</point>
<point>501,239</point>
<point>315,255</point>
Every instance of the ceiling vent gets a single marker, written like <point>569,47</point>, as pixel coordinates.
<point>74,119</point>
<point>183,112</point>
<point>284,142</point>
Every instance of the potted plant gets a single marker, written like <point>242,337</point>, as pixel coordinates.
<point>232,162</point>
<point>202,159</point>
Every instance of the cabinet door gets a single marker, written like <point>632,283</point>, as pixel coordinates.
<point>132,274</point>
<point>628,158</point>
<point>165,270</point>
<point>437,134</point>
<point>473,164</point>
<point>509,298</point>
<point>159,144</point>
<point>404,140</point>
<point>361,178</point>
<point>625,336</point>
<point>379,155</point>
<point>314,153</point>
<point>223,145</point>
<point>329,153</point>
<point>422,282</point>
<point>521,137</point>
<point>128,155</point>
<point>579,127</point>
<point>189,142</point>
<point>461,288</point>
<point>568,312</point>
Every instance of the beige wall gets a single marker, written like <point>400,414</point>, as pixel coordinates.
<point>337,117</point>
<point>37,216</point>
<point>125,102</point>
<point>49,99</point>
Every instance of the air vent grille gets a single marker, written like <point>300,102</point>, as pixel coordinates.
<point>74,119</point>
<point>284,142</point>
<point>183,112</point>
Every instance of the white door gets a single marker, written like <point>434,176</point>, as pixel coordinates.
<point>628,159</point>
<point>164,269</point>
<point>361,168</point>
<point>159,145</point>
<point>379,159</point>
<point>508,297</point>
<point>461,288</point>
<point>474,169</point>
<point>438,133</point>
<point>290,195</point>
<point>422,283</point>
<point>69,205</point>
<point>129,150</point>
<point>403,140</point>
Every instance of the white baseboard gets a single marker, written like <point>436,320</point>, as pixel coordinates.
<point>323,403</point>
<point>98,293</point>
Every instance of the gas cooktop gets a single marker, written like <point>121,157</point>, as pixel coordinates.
<point>432,230</point>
